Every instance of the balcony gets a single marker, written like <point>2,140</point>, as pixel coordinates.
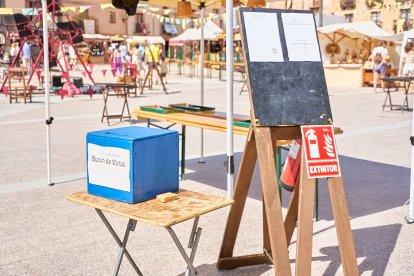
<point>348,4</point>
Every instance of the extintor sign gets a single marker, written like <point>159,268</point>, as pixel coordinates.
<point>320,151</point>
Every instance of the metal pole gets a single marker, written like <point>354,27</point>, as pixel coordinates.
<point>410,218</point>
<point>202,78</point>
<point>320,13</point>
<point>229,97</point>
<point>47,88</point>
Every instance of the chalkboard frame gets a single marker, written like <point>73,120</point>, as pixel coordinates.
<point>288,93</point>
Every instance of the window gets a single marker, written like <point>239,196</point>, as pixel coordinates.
<point>112,17</point>
<point>314,4</point>
<point>2,3</point>
<point>395,26</point>
<point>140,18</point>
<point>349,17</point>
<point>348,4</point>
<point>376,17</point>
<point>405,14</point>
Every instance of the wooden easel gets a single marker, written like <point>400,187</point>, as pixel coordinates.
<point>278,232</point>
<point>151,67</point>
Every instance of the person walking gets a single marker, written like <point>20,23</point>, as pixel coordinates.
<point>379,66</point>
<point>27,56</point>
<point>117,60</point>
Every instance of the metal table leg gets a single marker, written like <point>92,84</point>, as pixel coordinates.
<point>194,239</point>
<point>316,199</point>
<point>279,170</point>
<point>122,245</point>
<point>183,129</point>
<point>183,133</point>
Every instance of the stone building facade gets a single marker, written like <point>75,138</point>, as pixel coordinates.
<point>393,16</point>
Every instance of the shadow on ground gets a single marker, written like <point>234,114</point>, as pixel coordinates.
<point>370,187</point>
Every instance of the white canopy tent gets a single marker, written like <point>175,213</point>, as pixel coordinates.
<point>187,36</point>
<point>229,73</point>
<point>360,30</point>
<point>144,39</point>
<point>355,35</point>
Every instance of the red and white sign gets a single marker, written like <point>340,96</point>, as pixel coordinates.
<point>320,151</point>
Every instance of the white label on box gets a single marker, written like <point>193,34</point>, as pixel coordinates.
<point>109,167</point>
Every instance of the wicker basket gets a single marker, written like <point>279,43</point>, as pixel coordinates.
<point>184,10</point>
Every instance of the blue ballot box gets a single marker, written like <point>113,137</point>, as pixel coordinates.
<point>132,164</point>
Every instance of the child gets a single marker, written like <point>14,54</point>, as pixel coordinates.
<point>164,70</point>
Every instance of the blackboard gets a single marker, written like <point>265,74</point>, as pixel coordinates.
<point>288,92</point>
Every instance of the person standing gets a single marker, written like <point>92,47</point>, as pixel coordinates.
<point>379,66</point>
<point>408,60</point>
<point>117,60</point>
<point>14,50</point>
<point>27,56</point>
<point>123,51</point>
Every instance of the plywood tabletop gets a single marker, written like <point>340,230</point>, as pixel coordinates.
<point>188,206</point>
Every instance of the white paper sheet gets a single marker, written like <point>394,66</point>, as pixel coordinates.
<point>109,167</point>
<point>263,40</point>
<point>301,38</point>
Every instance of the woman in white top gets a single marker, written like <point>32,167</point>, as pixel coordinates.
<point>14,50</point>
<point>379,66</point>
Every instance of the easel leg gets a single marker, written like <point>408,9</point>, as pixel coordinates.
<point>146,78</point>
<point>305,221</point>
<point>343,226</point>
<point>292,213</point>
<point>118,241</point>
<point>266,153</point>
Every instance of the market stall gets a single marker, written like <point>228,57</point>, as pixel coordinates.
<point>346,50</point>
<point>98,47</point>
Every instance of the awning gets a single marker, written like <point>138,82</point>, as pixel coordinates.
<point>143,39</point>
<point>360,30</point>
<point>96,37</point>
<point>187,36</point>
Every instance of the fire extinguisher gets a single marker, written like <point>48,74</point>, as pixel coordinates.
<point>291,169</point>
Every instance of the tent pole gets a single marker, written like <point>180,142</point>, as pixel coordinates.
<point>229,97</point>
<point>410,218</point>
<point>320,13</point>
<point>202,78</point>
<point>47,96</point>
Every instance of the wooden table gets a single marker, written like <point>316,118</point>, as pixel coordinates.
<point>189,205</point>
<point>212,120</point>
<point>406,82</point>
<point>116,89</point>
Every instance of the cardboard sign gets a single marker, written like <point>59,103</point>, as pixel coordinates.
<point>320,151</point>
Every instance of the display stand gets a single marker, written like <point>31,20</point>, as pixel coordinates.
<point>267,128</point>
<point>151,67</point>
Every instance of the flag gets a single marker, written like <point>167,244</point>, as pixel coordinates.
<point>91,66</point>
<point>104,72</point>
<point>84,74</point>
<point>6,91</point>
<point>90,92</point>
<point>62,93</point>
<point>113,72</point>
<point>38,73</point>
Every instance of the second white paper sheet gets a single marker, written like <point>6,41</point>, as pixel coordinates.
<point>301,39</point>
<point>263,40</point>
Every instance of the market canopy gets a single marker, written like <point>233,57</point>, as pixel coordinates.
<point>186,36</point>
<point>211,30</point>
<point>144,39</point>
<point>357,30</point>
<point>96,37</point>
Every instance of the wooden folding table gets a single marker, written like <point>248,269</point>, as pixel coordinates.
<point>117,90</point>
<point>188,205</point>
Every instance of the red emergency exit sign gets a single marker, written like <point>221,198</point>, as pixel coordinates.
<point>320,151</point>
